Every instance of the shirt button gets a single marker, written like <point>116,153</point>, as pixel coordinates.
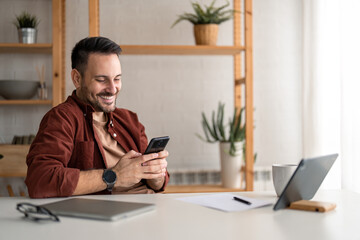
<point>114,135</point>
<point>84,114</point>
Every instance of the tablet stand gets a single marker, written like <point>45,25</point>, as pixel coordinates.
<point>312,206</point>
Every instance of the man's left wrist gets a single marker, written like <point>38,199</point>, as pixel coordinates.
<point>109,177</point>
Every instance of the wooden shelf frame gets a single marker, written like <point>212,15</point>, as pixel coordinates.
<point>249,102</point>
<point>42,48</point>
<point>56,49</point>
<point>180,50</point>
<point>239,81</point>
<point>26,102</point>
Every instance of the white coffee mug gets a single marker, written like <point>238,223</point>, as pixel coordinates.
<point>281,175</point>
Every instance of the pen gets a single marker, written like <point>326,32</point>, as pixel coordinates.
<point>242,200</point>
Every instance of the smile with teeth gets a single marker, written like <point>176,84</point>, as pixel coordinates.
<point>107,97</point>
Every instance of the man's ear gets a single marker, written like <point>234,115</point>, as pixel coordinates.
<point>76,78</point>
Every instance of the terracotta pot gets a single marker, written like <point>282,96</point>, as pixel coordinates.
<point>231,165</point>
<point>206,34</point>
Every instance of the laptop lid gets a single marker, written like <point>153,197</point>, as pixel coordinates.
<point>97,209</point>
<point>306,180</point>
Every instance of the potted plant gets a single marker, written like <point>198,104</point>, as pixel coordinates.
<point>27,27</point>
<point>231,143</point>
<point>206,21</point>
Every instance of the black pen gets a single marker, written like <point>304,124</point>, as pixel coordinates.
<point>242,200</point>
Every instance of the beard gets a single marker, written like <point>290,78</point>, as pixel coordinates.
<point>93,100</point>
<point>108,107</point>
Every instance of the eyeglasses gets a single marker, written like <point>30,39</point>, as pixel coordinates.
<point>36,213</point>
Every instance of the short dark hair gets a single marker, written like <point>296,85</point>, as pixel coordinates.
<point>86,46</point>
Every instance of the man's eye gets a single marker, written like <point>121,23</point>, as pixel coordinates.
<point>100,80</point>
<point>117,79</point>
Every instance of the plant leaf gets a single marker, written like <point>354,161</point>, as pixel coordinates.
<point>220,121</point>
<point>215,130</point>
<point>186,16</point>
<point>26,20</point>
<point>239,131</point>
<point>208,128</point>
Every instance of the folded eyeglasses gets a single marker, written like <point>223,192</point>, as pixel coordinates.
<point>36,213</point>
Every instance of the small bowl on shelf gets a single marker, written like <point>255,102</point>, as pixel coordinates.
<point>18,89</point>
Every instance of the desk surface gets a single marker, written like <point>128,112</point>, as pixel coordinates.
<point>174,219</point>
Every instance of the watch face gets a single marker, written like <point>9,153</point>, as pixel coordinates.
<point>110,176</point>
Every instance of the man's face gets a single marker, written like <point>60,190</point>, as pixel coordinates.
<point>101,82</point>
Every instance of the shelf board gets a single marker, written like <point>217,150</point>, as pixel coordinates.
<point>180,50</point>
<point>26,102</point>
<point>198,189</point>
<point>25,48</point>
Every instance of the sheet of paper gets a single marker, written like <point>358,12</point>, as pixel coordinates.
<point>225,202</point>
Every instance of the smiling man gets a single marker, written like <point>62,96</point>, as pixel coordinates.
<point>86,145</point>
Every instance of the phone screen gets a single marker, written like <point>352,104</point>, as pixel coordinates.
<point>157,144</point>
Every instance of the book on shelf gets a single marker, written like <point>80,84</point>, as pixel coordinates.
<point>21,140</point>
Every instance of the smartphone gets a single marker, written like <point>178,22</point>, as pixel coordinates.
<point>157,144</point>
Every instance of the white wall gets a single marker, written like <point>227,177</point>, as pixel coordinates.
<point>277,80</point>
<point>169,92</point>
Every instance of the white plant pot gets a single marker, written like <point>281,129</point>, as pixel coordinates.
<point>231,165</point>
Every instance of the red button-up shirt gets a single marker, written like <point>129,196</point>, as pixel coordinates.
<point>66,144</point>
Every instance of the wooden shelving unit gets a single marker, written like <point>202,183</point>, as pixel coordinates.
<point>13,164</point>
<point>239,80</point>
<point>56,49</point>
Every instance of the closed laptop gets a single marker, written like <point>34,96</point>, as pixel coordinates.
<point>97,209</point>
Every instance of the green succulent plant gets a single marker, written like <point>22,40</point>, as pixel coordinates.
<point>26,20</point>
<point>207,15</point>
<point>215,131</point>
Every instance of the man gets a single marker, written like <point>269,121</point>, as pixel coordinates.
<point>87,145</point>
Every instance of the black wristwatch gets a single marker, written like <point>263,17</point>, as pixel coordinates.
<point>109,177</point>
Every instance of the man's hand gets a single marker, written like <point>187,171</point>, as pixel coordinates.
<point>133,167</point>
<point>157,183</point>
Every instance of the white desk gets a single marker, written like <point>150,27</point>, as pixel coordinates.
<point>175,219</point>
